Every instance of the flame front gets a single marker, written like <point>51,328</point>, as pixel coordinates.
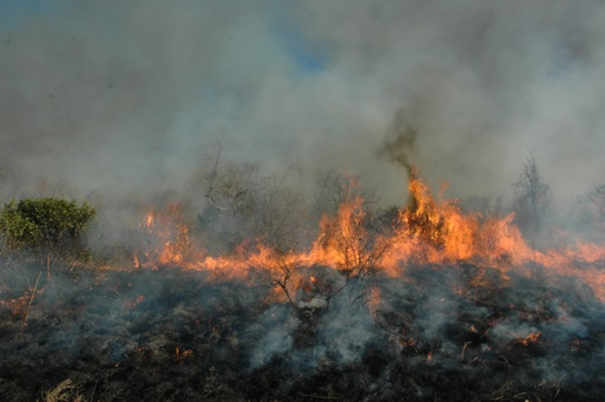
<point>427,231</point>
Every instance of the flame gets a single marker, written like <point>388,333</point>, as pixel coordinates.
<point>167,235</point>
<point>342,239</point>
<point>19,305</point>
<point>437,232</point>
<point>16,305</point>
<point>132,304</point>
<point>406,342</point>
<point>428,231</point>
<point>533,337</point>
<point>180,356</point>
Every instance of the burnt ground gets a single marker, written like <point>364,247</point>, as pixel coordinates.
<point>458,333</point>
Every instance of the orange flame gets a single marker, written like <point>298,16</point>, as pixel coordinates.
<point>168,238</point>
<point>533,337</point>
<point>428,231</point>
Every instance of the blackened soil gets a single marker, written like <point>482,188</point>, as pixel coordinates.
<point>172,335</point>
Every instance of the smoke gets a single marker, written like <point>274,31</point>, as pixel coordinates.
<point>123,99</point>
<point>278,326</point>
<point>400,143</point>
<point>345,332</point>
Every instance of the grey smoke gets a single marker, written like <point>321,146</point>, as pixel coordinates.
<point>276,326</point>
<point>125,98</point>
<point>345,331</point>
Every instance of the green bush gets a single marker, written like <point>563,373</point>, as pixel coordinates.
<point>46,225</point>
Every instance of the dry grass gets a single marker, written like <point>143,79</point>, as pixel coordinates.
<point>66,391</point>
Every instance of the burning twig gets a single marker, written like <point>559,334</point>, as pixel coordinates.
<point>533,337</point>
<point>179,357</point>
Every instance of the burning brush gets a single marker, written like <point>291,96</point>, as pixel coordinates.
<point>437,304</point>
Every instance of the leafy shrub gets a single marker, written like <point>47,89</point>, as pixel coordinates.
<point>46,225</point>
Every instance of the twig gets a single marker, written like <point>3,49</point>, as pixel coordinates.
<point>48,266</point>
<point>501,392</point>
<point>94,390</point>
<point>29,306</point>
<point>215,205</point>
<point>214,170</point>
<point>558,386</point>
<point>463,351</point>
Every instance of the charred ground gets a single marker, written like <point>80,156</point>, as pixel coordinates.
<point>173,335</point>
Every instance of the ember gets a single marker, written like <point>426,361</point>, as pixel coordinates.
<point>531,338</point>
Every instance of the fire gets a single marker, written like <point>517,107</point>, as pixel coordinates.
<point>132,304</point>
<point>429,230</point>
<point>533,337</point>
<point>342,242</point>
<point>167,236</point>
<point>182,355</point>
<point>16,305</point>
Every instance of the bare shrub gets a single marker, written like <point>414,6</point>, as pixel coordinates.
<point>532,199</point>
<point>245,201</point>
<point>588,212</point>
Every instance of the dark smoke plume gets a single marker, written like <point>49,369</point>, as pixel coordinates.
<point>400,143</point>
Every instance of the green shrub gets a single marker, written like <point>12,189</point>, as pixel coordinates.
<point>46,225</point>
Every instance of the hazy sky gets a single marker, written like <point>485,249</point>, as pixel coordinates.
<point>124,97</point>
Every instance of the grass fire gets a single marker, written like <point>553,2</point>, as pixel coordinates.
<point>424,301</point>
<point>302,201</point>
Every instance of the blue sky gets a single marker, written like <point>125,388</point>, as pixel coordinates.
<point>299,49</point>
<point>14,13</point>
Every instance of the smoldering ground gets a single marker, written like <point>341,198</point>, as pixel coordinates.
<point>174,334</point>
